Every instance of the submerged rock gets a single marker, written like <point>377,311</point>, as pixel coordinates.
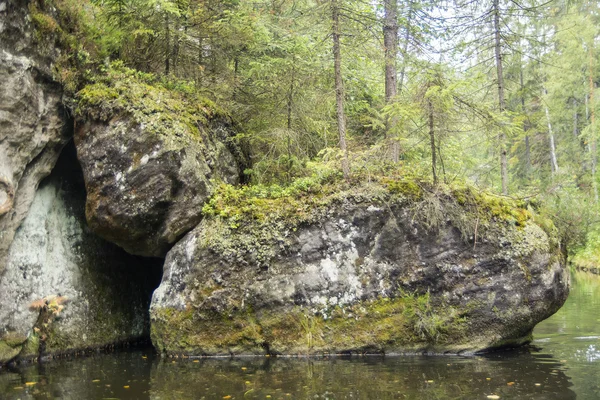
<point>150,160</point>
<point>64,288</point>
<point>365,270</point>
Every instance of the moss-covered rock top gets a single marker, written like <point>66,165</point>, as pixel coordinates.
<point>264,212</point>
<point>170,109</point>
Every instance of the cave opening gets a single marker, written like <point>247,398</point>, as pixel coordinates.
<point>113,288</point>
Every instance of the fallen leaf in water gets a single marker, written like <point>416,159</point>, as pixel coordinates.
<point>510,383</point>
<point>244,368</point>
<point>30,383</point>
<point>196,361</point>
<point>18,388</point>
<point>493,396</point>
<point>538,384</point>
<point>430,381</point>
<point>126,387</point>
<point>144,357</point>
<point>488,379</point>
<point>96,380</point>
<point>227,397</point>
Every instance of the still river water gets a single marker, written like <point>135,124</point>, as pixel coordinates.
<point>562,363</point>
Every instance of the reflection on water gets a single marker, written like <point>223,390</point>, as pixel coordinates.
<point>572,335</point>
<point>130,376</point>
<point>564,363</point>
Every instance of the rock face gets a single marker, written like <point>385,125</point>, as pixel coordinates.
<point>33,123</point>
<point>64,288</point>
<point>361,276</point>
<point>144,189</point>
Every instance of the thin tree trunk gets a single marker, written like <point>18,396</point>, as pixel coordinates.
<point>405,46</point>
<point>527,155</point>
<point>594,144</point>
<point>200,62</point>
<point>525,128</point>
<point>236,67</point>
<point>339,86</point>
<point>575,121</point>
<point>432,143</point>
<point>176,47</point>
<point>290,99</point>
<point>501,102</point>
<point>439,151</point>
<point>553,161</point>
<point>390,43</point>
<point>168,46</point>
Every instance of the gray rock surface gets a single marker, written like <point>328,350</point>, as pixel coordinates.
<point>106,291</point>
<point>33,123</point>
<point>146,190</point>
<point>362,277</point>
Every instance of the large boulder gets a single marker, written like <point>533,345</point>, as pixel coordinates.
<point>65,288</point>
<point>150,159</point>
<point>33,123</point>
<point>372,268</point>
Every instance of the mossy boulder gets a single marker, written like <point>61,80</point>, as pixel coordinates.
<point>151,157</point>
<point>386,267</point>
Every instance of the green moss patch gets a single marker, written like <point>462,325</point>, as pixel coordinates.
<point>260,216</point>
<point>143,97</point>
<point>7,352</point>
<point>407,322</point>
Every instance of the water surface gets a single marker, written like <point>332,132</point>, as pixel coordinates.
<point>562,363</point>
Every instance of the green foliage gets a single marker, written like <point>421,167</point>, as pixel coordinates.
<point>265,203</point>
<point>269,66</point>
<point>588,256</point>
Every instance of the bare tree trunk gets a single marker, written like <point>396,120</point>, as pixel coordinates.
<point>553,161</point>
<point>200,66</point>
<point>575,121</point>
<point>290,99</point>
<point>501,101</point>
<point>594,143</point>
<point>432,143</point>
<point>168,46</point>
<point>525,128</point>
<point>390,44</point>
<point>236,69</point>
<point>339,85</point>
<point>405,45</point>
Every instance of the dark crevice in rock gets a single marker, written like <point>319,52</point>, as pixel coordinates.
<point>127,279</point>
<point>54,255</point>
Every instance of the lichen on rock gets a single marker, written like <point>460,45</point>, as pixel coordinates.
<point>356,268</point>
